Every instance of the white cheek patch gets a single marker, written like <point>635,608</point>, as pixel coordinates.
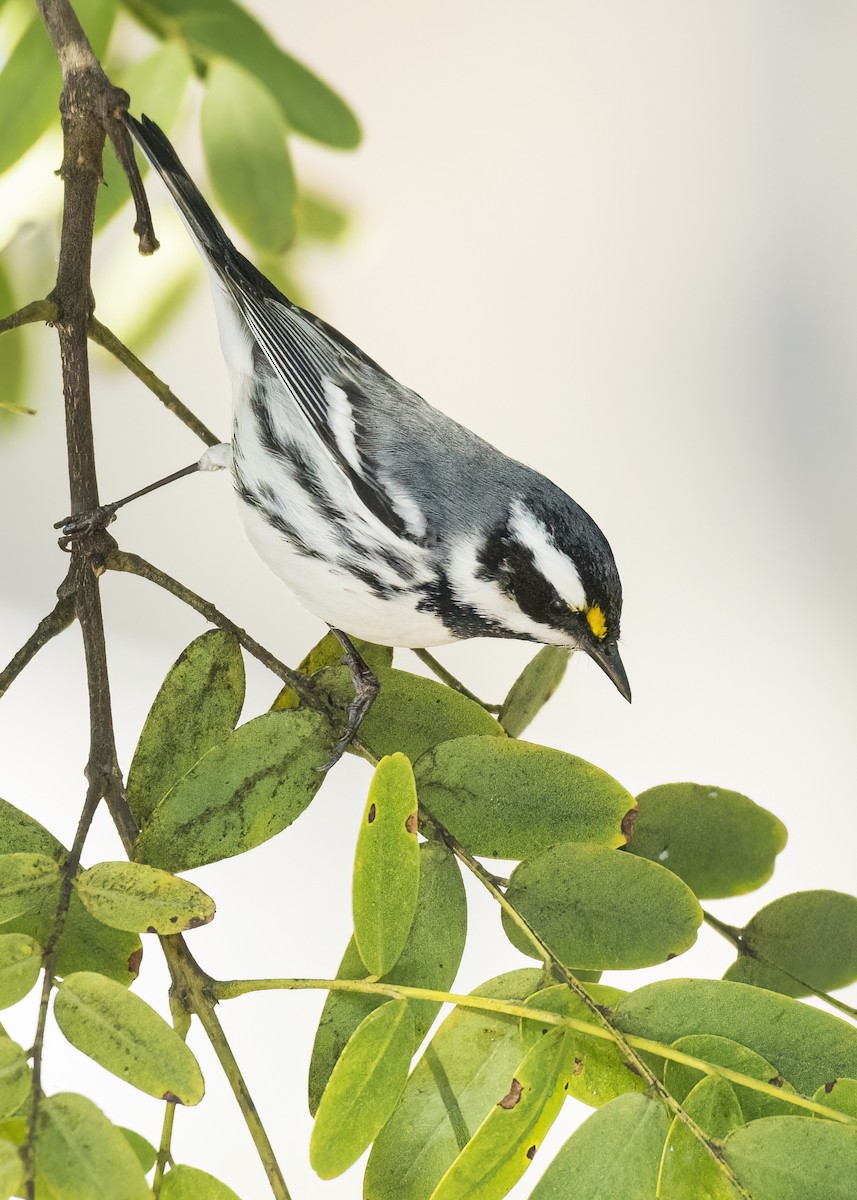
<point>489,599</point>
<point>548,558</point>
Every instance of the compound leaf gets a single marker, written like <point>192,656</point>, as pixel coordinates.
<point>794,1158</point>
<point>127,1037</point>
<point>600,908</point>
<point>680,1079</point>
<point>509,799</point>
<point>719,842</point>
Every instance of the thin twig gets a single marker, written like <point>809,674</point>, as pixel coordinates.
<point>39,310</point>
<point>437,668</point>
<point>60,617</point>
<point>233,988</point>
<point>736,937</point>
<point>164,1146</point>
<point>104,337</point>
<point>118,133</point>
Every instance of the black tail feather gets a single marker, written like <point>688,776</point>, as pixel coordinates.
<point>159,150</point>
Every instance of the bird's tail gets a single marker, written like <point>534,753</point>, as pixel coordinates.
<point>198,217</point>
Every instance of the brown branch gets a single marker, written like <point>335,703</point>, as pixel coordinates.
<point>103,337</point>
<point>54,623</point>
<point>39,310</point>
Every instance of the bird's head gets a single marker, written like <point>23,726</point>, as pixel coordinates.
<point>556,566</point>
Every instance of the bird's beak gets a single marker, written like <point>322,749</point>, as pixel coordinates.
<point>607,657</point>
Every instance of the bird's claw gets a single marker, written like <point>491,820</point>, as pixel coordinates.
<point>82,524</point>
<point>366,688</point>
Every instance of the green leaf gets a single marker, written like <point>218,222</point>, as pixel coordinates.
<point>221,27</point>
<point>146,1153</point>
<point>28,883</point>
<point>320,219</point>
<point>614,1155</point>
<point>411,713</point>
<point>840,1094</point>
<point>11,350</point>
<point>156,85</point>
<point>506,1142</point>
<point>429,960</point>
<point>11,1170</point>
<point>601,908</point>
<point>127,1037</point>
<point>141,899</point>
<point>81,1156</point>
<point>687,1169</point>
<point>600,1070</point>
<point>363,1089</point>
<point>247,789</point>
<point>809,1046</point>
<point>195,710</point>
<point>244,136</point>
<point>187,1183</point>
<point>30,81</point>
<point>509,799</point>
<point>810,936</point>
<point>85,944</point>
<point>14,1077</point>
<point>680,1079</point>
<point>719,842</point>
<point>386,866</point>
<point>794,1158</point>
<point>533,688</point>
<point>20,965</point>
<point>329,653</point>
<point>464,1070</point>
<point>20,833</point>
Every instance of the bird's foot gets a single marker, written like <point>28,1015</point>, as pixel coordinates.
<point>366,688</point>
<point>82,524</point>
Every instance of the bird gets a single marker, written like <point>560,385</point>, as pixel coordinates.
<point>385,517</point>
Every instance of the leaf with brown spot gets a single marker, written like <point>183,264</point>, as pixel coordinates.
<point>512,1096</point>
<point>139,898</point>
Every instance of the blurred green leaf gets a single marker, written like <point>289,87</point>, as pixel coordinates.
<point>601,908</point>
<point>509,799</point>
<point>187,1183</point>
<point>411,714</point>
<point>195,709</point>
<point>809,1046</point>
<point>724,1052</point>
<point>840,1094</point>
<point>363,1089</point>
<point>154,311</point>
<point>614,1155</point>
<point>430,960</point>
<point>81,1156</point>
<point>810,935</point>
<point>386,866</point>
<point>28,883</point>
<point>11,1169</point>
<point>720,843</point>
<point>533,688</point>
<point>244,136</point>
<point>20,965</point>
<point>687,1169</point>
<point>30,81</point>
<point>156,85</point>
<point>794,1158</point>
<point>506,1142</point>
<point>14,1077</point>
<point>146,1153</point>
<point>141,899</point>
<point>465,1069</point>
<point>127,1037</point>
<point>224,28</point>
<point>320,219</point>
<point>601,1072</point>
<point>248,788</point>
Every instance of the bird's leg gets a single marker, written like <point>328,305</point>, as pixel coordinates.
<point>366,688</point>
<point>214,459</point>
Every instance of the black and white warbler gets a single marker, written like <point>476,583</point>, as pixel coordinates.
<point>386,518</point>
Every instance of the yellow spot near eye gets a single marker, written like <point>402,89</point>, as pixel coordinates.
<point>597,622</point>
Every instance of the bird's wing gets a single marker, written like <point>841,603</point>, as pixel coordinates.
<point>317,368</point>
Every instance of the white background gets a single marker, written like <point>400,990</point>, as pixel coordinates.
<point>618,241</point>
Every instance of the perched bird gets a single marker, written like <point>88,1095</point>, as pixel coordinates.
<point>385,517</point>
